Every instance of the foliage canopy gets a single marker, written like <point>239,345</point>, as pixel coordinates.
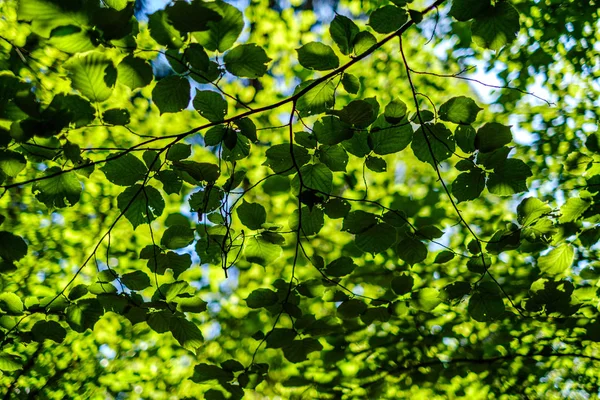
<point>319,199</point>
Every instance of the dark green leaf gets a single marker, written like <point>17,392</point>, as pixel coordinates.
<point>317,56</point>
<point>376,239</point>
<point>468,185</point>
<point>460,110</point>
<point>140,204</point>
<point>411,251</point>
<point>125,170</point>
<point>509,178</point>
<point>433,143</point>
<point>464,10</point>
<point>171,94</point>
<point>262,298</point>
<point>387,19</point>
<point>247,60</point>
<point>343,31</point>
<point>136,280</point>
<point>492,136</point>
<point>335,157</point>
<point>221,34</point>
<point>497,26</point>
<point>211,105</point>
<point>486,303</point>
<point>63,189</point>
<point>351,83</point>
<point>253,215</point>
<point>191,17</point>
<point>12,247</point>
<point>51,330</point>
<point>376,164</point>
<point>402,284</point>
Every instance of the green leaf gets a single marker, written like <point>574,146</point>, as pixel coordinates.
<point>464,10</point>
<point>58,191</point>
<point>51,330</point>
<point>426,299</point>
<point>171,94</point>
<point>299,350</point>
<point>387,19</point>
<point>443,257</point>
<point>201,172</point>
<point>486,303</point>
<point>10,363</point>
<point>385,138</point>
<point>433,143</point>
<point>186,333</point>
<point>351,309</point>
<point>162,31</point>
<point>460,110</point>
<point>558,260</point>
<point>211,105</point>
<point>159,321</point>
<point>411,251</point>
<point>11,163</point>
<point>117,4</point>
<point>191,304</point>
<point>350,83</point>
<point>509,178</point>
<point>363,42</point>
<point>317,177</point>
<point>331,130</point>
<point>280,337</point>
<point>316,100</point>
<point>573,209</point>
<point>125,170</point>
<point>359,113</point>
<point>468,185</point>
<point>247,61</point>
<point>93,74</point>
<point>222,34</point>
<point>140,204</point>
<point>280,160</point>
<point>317,56</point>
<point>343,31</point>
<point>260,251</point>
<point>376,164</point>
<point>465,138</point>
<point>492,136</point>
<point>497,26</point>
<point>312,220</point>
<point>205,372</point>
<point>84,314</point>
<point>206,200</point>
<point>11,304</point>
<point>177,237</point>
<point>116,116</point>
<point>252,215</point>
<point>12,247</point>
<point>134,72</point>
<point>336,208</point>
<point>395,111</point>
<point>191,17</point>
<point>402,284</point>
<point>530,210</point>
<point>179,151</point>
<point>376,239</point>
<point>335,157</point>
<point>359,221</point>
<point>340,267</point>
<point>136,280</point>
<point>262,298</point>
